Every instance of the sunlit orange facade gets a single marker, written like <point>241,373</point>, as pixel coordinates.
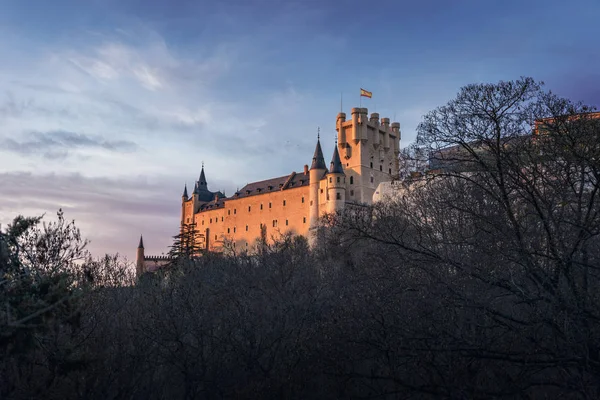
<point>366,155</point>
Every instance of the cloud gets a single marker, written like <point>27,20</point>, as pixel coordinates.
<point>111,212</point>
<point>59,144</point>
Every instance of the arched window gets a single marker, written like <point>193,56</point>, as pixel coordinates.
<point>352,180</point>
<point>338,196</point>
<point>338,179</point>
<point>381,168</point>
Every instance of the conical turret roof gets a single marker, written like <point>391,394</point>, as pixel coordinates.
<point>202,179</point>
<point>318,159</point>
<point>336,164</point>
<point>141,245</point>
<point>185,194</point>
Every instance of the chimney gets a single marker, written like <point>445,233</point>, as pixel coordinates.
<point>305,169</point>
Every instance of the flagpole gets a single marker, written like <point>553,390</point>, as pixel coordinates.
<point>341,102</point>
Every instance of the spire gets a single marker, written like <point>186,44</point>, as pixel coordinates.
<point>336,164</point>
<point>141,245</point>
<point>185,191</point>
<point>318,159</point>
<point>202,180</point>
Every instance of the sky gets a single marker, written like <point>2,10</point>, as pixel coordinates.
<point>108,107</point>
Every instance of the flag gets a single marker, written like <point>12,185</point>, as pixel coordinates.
<point>364,93</point>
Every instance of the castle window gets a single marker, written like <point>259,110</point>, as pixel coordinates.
<point>352,193</point>
<point>274,223</point>
<point>215,237</point>
<point>235,211</point>
<point>188,221</point>
<point>211,220</point>
<point>261,207</point>
<point>311,202</point>
<point>338,179</point>
<point>304,220</point>
<point>302,199</point>
<point>228,230</point>
<point>249,208</point>
<point>371,179</point>
<point>381,168</point>
<point>234,229</point>
<point>338,196</point>
<point>269,204</point>
<point>352,180</point>
<point>221,219</point>
<point>202,222</point>
<point>246,228</point>
<point>327,195</point>
<point>228,212</point>
<point>286,222</point>
<point>321,190</point>
<point>330,180</point>
<point>390,171</point>
<point>371,164</point>
<point>284,203</point>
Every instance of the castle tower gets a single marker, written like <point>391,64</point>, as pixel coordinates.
<point>184,198</point>
<point>317,170</point>
<point>368,151</point>
<point>336,184</point>
<point>139,262</point>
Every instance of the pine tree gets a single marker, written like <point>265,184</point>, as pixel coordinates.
<point>185,245</point>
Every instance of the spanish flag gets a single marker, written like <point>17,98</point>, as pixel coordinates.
<point>364,93</point>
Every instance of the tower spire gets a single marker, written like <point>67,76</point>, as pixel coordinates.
<point>202,180</point>
<point>141,245</point>
<point>336,164</point>
<point>318,159</point>
<point>185,193</point>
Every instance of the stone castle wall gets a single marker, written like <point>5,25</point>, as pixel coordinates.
<point>240,220</point>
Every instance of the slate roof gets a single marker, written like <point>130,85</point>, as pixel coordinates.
<point>318,159</point>
<point>336,164</point>
<point>285,182</point>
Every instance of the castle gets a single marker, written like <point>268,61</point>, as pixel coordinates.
<point>365,155</point>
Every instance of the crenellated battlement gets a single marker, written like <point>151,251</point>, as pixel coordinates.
<point>361,127</point>
<point>157,258</point>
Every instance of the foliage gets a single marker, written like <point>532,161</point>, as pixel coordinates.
<point>479,280</point>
